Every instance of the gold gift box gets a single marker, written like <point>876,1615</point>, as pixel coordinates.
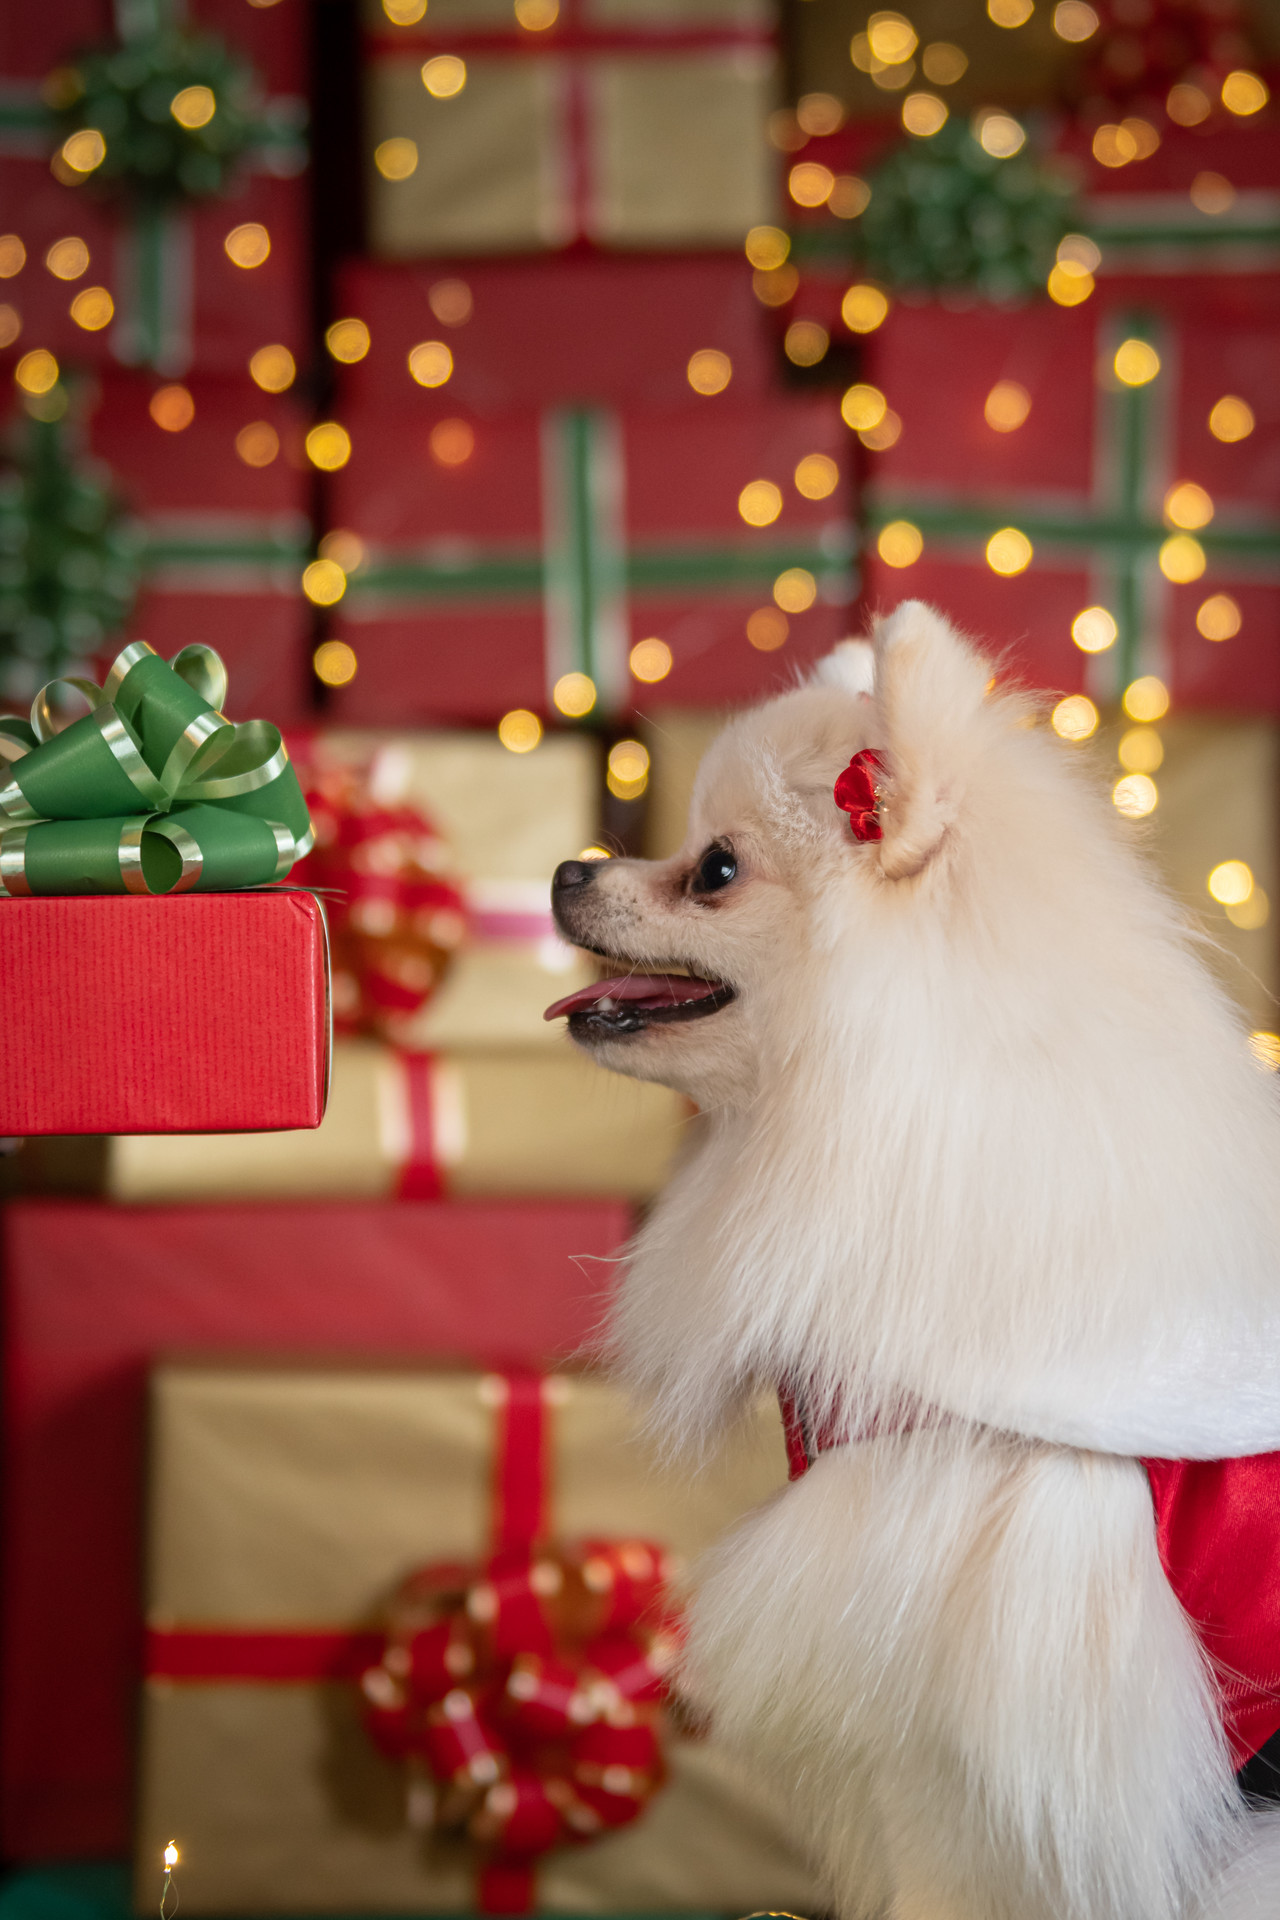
<point>286,1500</point>
<point>529,1123</point>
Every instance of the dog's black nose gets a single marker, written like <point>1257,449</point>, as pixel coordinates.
<point>572,873</point>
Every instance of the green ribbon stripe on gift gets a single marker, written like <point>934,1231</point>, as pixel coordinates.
<point>151,791</point>
<point>1118,531</point>
<point>584,568</point>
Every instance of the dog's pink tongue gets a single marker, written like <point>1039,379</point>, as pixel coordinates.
<point>650,989</point>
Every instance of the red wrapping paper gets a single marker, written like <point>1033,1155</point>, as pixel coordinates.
<point>201,1013</point>
<point>273,39</point>
<point>92,1294</point>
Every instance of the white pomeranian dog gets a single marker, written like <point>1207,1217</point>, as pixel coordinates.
<point>988,1186</point>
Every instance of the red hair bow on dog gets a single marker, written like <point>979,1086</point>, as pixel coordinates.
<point>857,795</point>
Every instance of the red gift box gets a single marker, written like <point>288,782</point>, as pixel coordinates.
<point>558,542</point>
<point>225,542</point>
<point>1085,478</point>
<point>92,1294</point>
<point>274,39</point>
<point>544,333</point>
<point>203,1013</point>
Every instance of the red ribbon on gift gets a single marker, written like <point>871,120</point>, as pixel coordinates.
<point>527,1690</point>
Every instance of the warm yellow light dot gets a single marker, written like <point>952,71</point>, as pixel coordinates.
<point>1252,913</point>
<point>1146,698</point>
<point>629,762</point>
<point>444,76</point>
<point>171,1856</point>
<point>1073,20</point>
<point>767,629</point>
<point>1182,559</point>
<point>767,247</point>
<point>67,258</point>
<point>795,590</point>
<point>1230,882</point>
<point>1244,93</point>
<point>864,308</point>
<point>1141,750</point>
<point>272,368</point>
<point>943,63</point>
<point>1266,1048</point>
<point>13,255</point>
<point>535,16</point>
<point>709,370</point>
<point>1188,105</point>
<point>1231,418</point>
<point>1009,551</point>
<point>430,363</point>
<point>93,308</point>
<point>1078,250</point>
<point>404,13</point>
<point>1010,13</point>
<point>344,548</point>
<point>397,158</point>
<point>1135,796</point>
<point>810,184</point>
<point>999,134</point>
<point>172,408</point>
<point>1094,630</point>
<point>1114,146</point>
<point>328,446</point>
<point>1188,506</point>
<point>520,730</point>
<point>347,340</point>
<point>258,443</point>
<point>923,114</point>
<point>849,196</point>
<point>1144,136</point>
<point>10,325</point>
<point>452,443</point>
<point>1074,718</point>
<point>193,107</point>
<point>36,372</point>
<point>1212,193</point>
<point>900,544</point>
<point>892,37</point>
<point>1218,618</point>
<point>1069,285</point>
<point>760,503</point>
<point>650,661</point>
<point>817,476</point>
<point>805,343</point>
<point>574,694</point>
<point>595,853</point>
<point>886,432</point>
<point>862,406</point>
<point>85,151</point>
<point>324,583</point>
<point>776,286</point>
<point>450,301</point>
<point>1006,406</point>
<point>819,114</point>
<point>1136,363</point>
<point>334,663</point>
<point>248,245</point>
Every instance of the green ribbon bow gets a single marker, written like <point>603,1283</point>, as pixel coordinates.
<point>223,808</point>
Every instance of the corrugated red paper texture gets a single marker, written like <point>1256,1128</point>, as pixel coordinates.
<point>196,1013</point>
<point>92,1294</point>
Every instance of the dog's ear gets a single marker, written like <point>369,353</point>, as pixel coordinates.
<point>929,686</point>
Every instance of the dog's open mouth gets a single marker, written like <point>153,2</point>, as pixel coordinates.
<point>639,1000</point>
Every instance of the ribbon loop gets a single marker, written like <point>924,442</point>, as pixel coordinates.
<point>153,790</point>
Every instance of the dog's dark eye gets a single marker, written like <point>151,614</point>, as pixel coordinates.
<point>715,870</point>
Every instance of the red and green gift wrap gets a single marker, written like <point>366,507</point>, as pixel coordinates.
<point>611,124</point>
<point>561,541</point>
<point>179,300</point>
<point>536,333</point>
<point>91,1293</point>
<point>223,543</point>
<point>1085,478</point>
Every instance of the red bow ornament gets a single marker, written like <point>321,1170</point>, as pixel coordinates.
<point>858,795</point>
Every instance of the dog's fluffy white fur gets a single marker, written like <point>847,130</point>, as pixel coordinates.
<point>982,1145</point>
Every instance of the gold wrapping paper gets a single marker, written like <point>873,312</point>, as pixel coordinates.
<point>300,1498</point>
<point>501,1124</point>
